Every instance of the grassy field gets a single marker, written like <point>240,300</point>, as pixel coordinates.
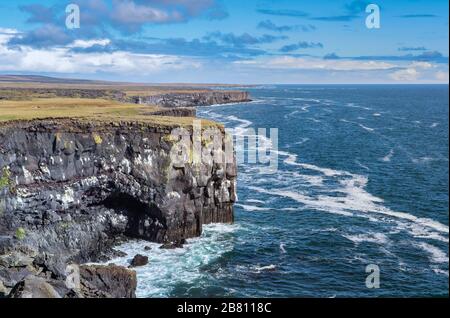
<point>25,88</point>
<point>36,97</point>
<point>143,91</point>
<point>89,109</point>
<point>112,93</point>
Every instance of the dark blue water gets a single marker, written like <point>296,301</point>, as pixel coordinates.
<point>362,179</point>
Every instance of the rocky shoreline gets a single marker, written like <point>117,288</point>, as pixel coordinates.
<point>70,190</point>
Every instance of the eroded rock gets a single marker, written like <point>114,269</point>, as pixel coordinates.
<point>173,245</point>
<point>191,99</point>
<point>107,282</point>
<point>139,260</point>
<point>34,287</point>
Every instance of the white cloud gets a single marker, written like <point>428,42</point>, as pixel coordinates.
<point>442,76</point>
<point>423,65</point>
<point>288,62</point>
<point>406,75</point>
<point>125,64</point>
<point>414,71</point>
<point>386,71</point>
<point>62,60</point>
<point>84,44</point>
<point>130,12</point>
<point>6,35</point>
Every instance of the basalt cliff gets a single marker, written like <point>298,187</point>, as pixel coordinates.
<point>71,189</point>
<point>206,98</point>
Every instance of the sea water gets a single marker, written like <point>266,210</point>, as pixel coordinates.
<point>362,179</point>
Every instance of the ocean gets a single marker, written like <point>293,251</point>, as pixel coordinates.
<point>362,180</point>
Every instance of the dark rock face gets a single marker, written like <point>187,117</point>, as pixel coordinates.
<point>194,99</point>
<point>107,282</point>
<point>70,190</point>
<point>177,112</point>
<point>34,287</point>
<point>22,276</point>
<point>139,260</point>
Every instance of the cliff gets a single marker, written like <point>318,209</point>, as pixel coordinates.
<point>156,96</point>
<point>70,189</point>
<point>191,99</point>
<point>176,112</point>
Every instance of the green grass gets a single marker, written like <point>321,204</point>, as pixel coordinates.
<point>5,180</point>
<point>88,109</point>
<point>67,107</point>
<point>20,233</point>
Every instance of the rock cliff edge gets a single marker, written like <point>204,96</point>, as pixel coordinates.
<point>72,189</point>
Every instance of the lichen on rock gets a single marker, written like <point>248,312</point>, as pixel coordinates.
<point>5,180</point>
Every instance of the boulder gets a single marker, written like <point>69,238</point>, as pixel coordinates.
<point>139,260</point>
<point>173,245</point>
<point>107,282</point>
<point>15,259</point>
<point>34,287</point>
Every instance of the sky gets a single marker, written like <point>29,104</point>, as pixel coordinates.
<point>228,41</point>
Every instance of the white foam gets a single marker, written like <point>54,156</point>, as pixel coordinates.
<point>388,157</point>
<point>251,208</point>
<point>355,198</point>
<point>316,203</point>
<point>352,105</point>
<point>361,165</point>
<point>314,100</point>
<point>436,255</point>
<point>314,120</point>
<point>291,114</point>
<point>419,231</point>
<point>378,238</point>
<point>305,108</point>
<point>440,271</point>
<point>360,125</point>
<point>259,269</point>
<point>255,201</point>
<point>422,160</point>
<point>366,128</point>
<point>302,141</point>
<point>244,123</point>
<point>166,268</point>
<point>292,160</point>
<point>256,101</point>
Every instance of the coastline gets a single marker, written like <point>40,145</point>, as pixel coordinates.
<point>79,177</point>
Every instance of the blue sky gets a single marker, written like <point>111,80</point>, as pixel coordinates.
<point>228,41</point>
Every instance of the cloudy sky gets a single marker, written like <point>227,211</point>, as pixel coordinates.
<point>228,41</point>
